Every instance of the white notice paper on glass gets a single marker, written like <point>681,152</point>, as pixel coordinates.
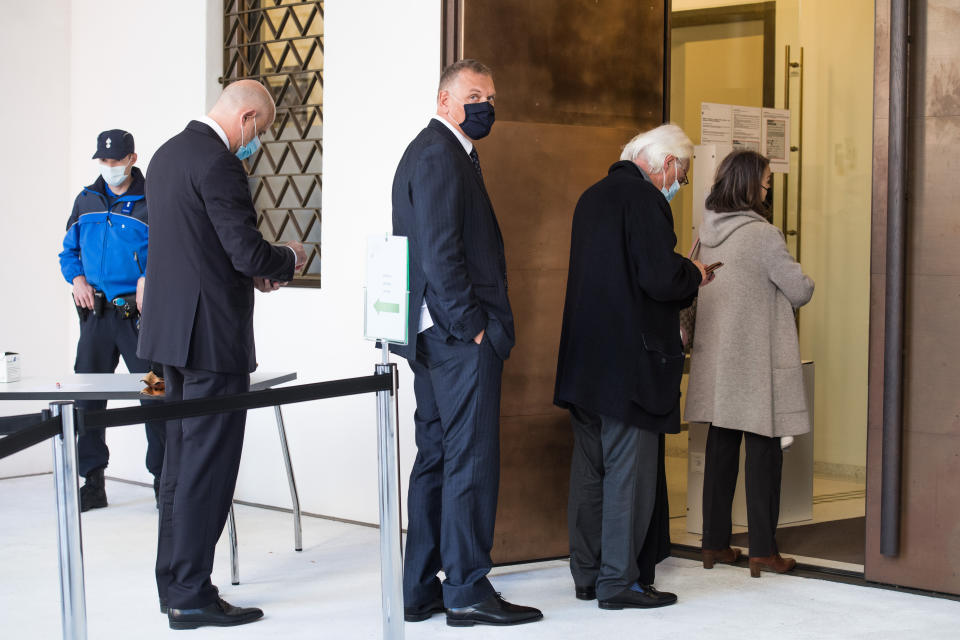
<point>745,128</point>
<point>387,289</point>
<point>716,123</point>
<point>765,131</point>
<point>776,139</point>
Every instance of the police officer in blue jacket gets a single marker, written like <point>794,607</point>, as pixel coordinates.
<point>104,257</point>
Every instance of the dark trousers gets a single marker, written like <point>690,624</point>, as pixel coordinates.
<point>103,339</point>
<point>656,543</point>
<point>452,499</point>
<point>763,468</point>
<point>613,491</point>
<point>196,489</point>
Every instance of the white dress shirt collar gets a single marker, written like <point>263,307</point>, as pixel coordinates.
<point>210,122</point>
<point>464,140</point>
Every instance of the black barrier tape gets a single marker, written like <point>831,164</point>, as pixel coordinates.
<point>236,402</point>
<point>12,424</point>
<point>25,438</point>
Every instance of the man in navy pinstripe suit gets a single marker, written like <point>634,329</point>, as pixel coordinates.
<point>461,329</point>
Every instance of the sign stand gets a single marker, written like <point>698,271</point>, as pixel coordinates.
<point>391,559</point>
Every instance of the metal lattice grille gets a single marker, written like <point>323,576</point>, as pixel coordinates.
<point>280,43</point>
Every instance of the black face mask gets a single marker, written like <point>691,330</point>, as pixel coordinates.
<point>768,203</point>
<point>478,119</point>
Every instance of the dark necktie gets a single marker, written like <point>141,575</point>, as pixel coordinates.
<point>475,159</point>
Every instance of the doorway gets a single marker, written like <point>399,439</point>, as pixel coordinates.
<point>814,58</point>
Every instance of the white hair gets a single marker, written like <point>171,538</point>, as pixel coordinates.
<point>655,145</point>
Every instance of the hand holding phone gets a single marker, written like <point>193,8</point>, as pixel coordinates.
<point>713,267</point>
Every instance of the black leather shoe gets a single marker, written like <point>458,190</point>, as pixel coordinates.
<point>494,610</point>
<point>218,614</point>
<point>424,611</point>
<point>586,593</point>
<point>93,494</point>
<point>639,597</point>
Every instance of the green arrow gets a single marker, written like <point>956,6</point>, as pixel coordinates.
<point>386,307</point>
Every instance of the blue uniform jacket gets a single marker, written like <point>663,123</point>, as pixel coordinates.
<point>106,242</point>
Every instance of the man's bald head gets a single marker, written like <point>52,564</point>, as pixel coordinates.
<point>247,94</point>
<point>240,105</point>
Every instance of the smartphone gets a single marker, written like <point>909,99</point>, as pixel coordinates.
<point>713,267</point>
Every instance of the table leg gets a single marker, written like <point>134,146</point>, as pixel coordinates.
<point>73,607</point>
<point>294,499</point>
<point>234,555</point>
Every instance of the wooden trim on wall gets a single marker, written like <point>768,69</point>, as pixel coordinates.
<point>451,31</point>
<point>667,58</point>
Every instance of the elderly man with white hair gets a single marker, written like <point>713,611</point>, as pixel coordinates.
<point>619,368</point>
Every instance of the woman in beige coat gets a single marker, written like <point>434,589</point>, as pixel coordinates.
<point>745,376</point>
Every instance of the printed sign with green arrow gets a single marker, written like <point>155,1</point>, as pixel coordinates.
<point>386,295</point>
<point>386,307</point>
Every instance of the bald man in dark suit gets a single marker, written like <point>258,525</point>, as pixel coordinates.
<point>206,257</point>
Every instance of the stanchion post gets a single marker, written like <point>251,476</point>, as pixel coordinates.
<point>73,602</point>
<point>391,559</point>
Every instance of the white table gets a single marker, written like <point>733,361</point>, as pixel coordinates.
<point>105,386</point>
<point>127,386</point>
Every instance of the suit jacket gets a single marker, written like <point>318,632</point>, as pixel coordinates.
<point>204,251</point>
<point>456,251</point>
<point>620,350</point>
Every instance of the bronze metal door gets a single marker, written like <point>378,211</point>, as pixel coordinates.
<point>575,80</point>
<point>922,521</point>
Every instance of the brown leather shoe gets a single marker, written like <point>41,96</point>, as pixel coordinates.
<point>728,556</point>
<point>776,563</point>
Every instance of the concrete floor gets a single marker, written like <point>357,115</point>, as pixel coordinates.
<point>331,588</point>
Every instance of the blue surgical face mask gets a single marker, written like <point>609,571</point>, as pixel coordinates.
<point>478,119</point>
<point>113,176</point>
<point>672,191</point>
<point>247,150</point>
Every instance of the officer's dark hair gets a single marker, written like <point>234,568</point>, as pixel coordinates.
<point>737,185</point>
<point>449,75</point>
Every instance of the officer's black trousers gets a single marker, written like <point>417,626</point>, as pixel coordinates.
<point>103,339</point>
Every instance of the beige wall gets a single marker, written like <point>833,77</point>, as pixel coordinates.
<point>721,63</point>
<point>36,204</point>
<point>837,39</point>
